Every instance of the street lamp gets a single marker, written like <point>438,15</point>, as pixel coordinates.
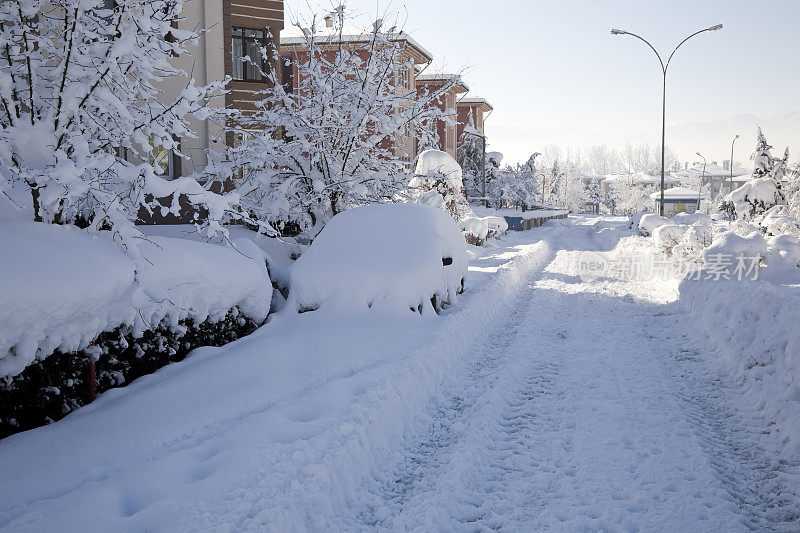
<point>664,67</point>
<point>700,188</point>
<point>732,143</point>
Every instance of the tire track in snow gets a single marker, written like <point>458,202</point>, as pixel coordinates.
<point>762,481</point>
<point>427,456</point>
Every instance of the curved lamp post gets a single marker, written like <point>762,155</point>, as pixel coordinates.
<point>664,67</point>
<point>700,188</point>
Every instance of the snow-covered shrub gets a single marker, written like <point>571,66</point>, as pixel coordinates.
<point>339,139</point>
<point>62,287</point>
<point>697,238</point>
<point>51,388</point>
<point>667,236</point>
<point>389,256</point>
<point>81,96</point>
<point>753,198</point>
<point>779,221</point>
<point>649,222</point>
<point>475,229</point>
<point>693,218</point>
<point>438,183</point>
<point>497,225</point>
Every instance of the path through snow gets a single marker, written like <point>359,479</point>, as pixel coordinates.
<point>584,412</point>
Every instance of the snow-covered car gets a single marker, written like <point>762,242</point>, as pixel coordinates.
<point>399,256</point>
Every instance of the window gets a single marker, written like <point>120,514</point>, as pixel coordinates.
<point>248,43</point>
<point>166,163</point>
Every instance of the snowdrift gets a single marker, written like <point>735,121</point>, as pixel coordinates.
<point>62,287</point>
<point>391,256</point>
<point>755,325</point>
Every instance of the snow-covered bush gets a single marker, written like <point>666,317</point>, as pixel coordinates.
<point>61,288</point>
<point>81,96</point>
<point>649,222</point>
<point>475,229</point>
<point>753,198</point>
<point>390,256</point>
<point>497,225</point>
<point>779,221</point>
<point>338,139</point>
<point>438,182</point>
<point>667,236</point>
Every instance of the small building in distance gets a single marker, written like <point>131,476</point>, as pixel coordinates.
<point>678,200</point>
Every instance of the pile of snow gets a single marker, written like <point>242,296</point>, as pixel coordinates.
<point>62,287</point>
<point>394,256</point>
<point>754,197</point>
<point>728,244</point>
<point>755,325</point>
<point>649,222</point>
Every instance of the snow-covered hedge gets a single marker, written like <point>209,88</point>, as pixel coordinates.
<point>61,288</point>
<point>399,256</point>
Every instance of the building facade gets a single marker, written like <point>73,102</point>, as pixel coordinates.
<point>233,30</point>
<point>446,129</point>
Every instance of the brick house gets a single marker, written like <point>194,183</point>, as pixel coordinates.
<point>472,110</point>
<point>448,102</point>
<point>329,40</point>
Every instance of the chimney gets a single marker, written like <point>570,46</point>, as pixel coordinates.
<point>329,20</point>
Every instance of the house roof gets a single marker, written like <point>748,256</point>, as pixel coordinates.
<point>475,101</point>
<point>297,36</point>
<point>678,193</point>
<point>443,78</point>
<point>711,170</point>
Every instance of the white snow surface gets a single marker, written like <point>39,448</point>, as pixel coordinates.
<point>541,402</point>
<point>382,256</point>
<point>60,288</point>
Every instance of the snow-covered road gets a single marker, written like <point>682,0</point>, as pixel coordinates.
<point>543,401</point>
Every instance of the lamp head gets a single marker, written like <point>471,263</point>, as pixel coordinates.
<point>698,153</point>
<point>715,28</point>
<point>618,32</point>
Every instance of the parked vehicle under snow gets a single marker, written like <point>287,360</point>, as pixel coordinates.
<point>401,256</point>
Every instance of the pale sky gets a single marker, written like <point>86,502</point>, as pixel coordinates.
<point>556,75</point>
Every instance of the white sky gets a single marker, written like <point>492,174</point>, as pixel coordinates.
<point>555,74</point>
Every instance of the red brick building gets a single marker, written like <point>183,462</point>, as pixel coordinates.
<point>448,102</point>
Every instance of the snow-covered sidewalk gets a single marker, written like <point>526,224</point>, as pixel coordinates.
<point>542,401</point>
